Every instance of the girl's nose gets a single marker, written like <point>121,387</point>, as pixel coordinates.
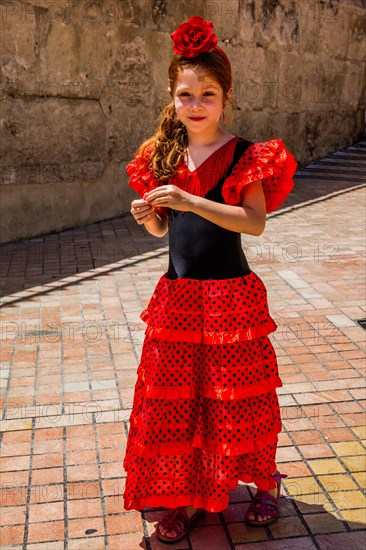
<point>196,102</point>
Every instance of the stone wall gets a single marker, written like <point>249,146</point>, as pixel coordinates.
<point>83,82</point>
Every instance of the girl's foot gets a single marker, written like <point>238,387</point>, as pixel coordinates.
<point>264,508</point>
<point>257,517</point>
<point>176,523</point>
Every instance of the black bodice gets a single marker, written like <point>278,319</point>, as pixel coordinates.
<point>200,249</point>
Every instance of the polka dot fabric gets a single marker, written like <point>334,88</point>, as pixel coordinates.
<point>186,479</point>
<point>213,311</point>
<point>268,161</point>
<point>228,371</point>
<point>205,411</point>
<point>232,427</point>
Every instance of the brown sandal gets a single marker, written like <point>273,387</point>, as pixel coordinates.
<point>177,520</point>
<point>265,504</point>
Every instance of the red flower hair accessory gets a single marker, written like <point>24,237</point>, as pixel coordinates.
<point>194,37</point>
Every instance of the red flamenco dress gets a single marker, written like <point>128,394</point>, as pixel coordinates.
<point>205,411</point>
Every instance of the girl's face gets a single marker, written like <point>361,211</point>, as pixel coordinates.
<point>198,101</point>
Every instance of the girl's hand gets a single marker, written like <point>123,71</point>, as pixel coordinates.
<point>170,196</point>
<point>142,211</point>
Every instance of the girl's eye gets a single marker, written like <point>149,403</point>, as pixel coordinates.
<point>205,93</point>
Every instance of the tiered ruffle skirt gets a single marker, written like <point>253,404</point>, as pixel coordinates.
<point>205,410</point>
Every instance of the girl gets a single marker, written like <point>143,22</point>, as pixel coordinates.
<point>205,411</point>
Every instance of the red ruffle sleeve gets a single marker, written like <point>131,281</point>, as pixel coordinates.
<point>268,161</point>
<point>142,178</point>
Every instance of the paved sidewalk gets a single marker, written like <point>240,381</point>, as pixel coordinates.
<point>70,345</point>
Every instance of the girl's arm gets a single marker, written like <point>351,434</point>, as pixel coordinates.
<point>249,217</point>
<point>157,226</point>
<point>145,213</point>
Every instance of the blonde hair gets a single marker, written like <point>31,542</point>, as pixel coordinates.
<point>169,143</point>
